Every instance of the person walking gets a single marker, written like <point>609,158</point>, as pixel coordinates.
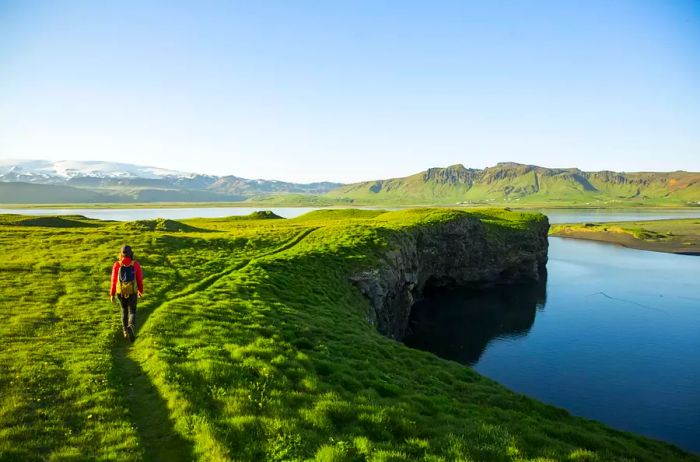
<point>127,285</point>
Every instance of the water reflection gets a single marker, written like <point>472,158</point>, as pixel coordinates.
<point>617,342</point>
<point>459,324</point>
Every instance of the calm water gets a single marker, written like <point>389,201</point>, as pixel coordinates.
<point>598,215</point>
<point>613,334</point>
<point>169,213</point>
<point>555,215</point>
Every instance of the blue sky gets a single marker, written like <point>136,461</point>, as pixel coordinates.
<point>352,90</point>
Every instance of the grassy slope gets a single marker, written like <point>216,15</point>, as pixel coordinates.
<point>528,185</point>
<point>26,193</point>
<point>252,345</point>
<point>675,236</point>
<point>33,193</point>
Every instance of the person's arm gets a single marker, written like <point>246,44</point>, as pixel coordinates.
<point>139,277</point>
<point>115,275</point>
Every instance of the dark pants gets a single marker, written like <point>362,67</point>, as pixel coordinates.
<point>128,310</point>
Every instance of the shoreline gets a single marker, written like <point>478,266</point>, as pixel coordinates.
<point>178,205</point>
<point>635,244</point>
<point>677,236</point>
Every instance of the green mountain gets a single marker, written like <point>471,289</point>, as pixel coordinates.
<point>27,193</point>
<point>528,184</point>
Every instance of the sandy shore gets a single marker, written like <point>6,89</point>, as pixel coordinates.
<point>671,236</point>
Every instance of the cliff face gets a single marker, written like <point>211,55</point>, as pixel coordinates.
<point>460,252</point>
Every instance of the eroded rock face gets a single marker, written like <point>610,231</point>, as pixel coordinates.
<point>456,253</point>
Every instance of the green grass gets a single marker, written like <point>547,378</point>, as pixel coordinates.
<point>674,235</point>
<point>251,345</point>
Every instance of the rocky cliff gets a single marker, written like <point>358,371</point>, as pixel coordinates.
<point>460,252</point>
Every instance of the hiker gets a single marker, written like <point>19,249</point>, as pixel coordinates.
<point>127,284</point>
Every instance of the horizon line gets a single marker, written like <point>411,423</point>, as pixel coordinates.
<point>10,160</point>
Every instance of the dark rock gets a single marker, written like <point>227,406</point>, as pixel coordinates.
<point>457,253</point>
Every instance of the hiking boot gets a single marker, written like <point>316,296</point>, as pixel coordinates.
<point>125,333</point>
<point>130,333</point>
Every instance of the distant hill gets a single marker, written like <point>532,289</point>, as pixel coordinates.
<point>60,182</point>
<point>509,182</point>
<point>248,188</point>
<point>46,182</point>
<point>34,193</point>
<point>27,193</point>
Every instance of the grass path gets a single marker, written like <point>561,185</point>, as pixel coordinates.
<point>146,407</point>
<point>211,280</point>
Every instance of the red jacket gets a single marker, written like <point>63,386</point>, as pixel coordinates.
<point>115,275</point>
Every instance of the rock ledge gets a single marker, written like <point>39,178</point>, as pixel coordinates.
<point>456,253</point>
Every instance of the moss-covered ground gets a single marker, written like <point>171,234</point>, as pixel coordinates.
<point>673,236</point>
<point>251,345</point>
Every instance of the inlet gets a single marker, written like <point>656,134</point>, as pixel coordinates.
<point>459,323</point>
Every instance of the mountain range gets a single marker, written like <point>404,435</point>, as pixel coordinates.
<point>47,182</point>
<point>41,181</point>
<point>509,182</point>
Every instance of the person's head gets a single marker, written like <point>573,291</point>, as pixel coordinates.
<point>126,252</point>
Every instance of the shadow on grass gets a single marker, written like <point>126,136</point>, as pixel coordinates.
<point>145,407</point>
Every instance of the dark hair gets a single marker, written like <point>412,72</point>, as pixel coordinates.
<point>126,252</point>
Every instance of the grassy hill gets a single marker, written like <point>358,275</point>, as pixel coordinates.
<point>527,185</point>
<point>33,193</point>
<point>28,193</point>
<point>252,345</point>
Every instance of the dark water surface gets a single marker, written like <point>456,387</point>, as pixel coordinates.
<point>613,334</point>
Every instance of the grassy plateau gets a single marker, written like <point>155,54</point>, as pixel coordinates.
<point>672,236</point>
<point>251,345</point>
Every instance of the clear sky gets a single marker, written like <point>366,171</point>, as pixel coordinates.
<point>352,90</point>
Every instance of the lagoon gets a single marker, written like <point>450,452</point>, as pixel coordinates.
<point>177,213</point>
<point>171,213</point>
<point>612,334</point>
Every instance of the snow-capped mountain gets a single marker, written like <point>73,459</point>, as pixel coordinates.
<point>28,170</point>
<point>113,181</point>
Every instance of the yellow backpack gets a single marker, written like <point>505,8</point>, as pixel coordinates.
<point>126,283</point>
